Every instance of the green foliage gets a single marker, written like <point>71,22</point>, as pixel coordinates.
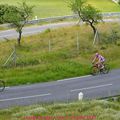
<point>76,5</point>
<point>3,9</point>
<point>86,13</point>
<point>114,99</point>
<point>12,15</point>
<point>36,64</point>
<point>90,13</point>
<point>47,30</point>
<point>17,16</point>
<point>26,11</point>
<point>97,109</point>
<point>6,9</point>
<point>119,2</point>
<point>111,38</point>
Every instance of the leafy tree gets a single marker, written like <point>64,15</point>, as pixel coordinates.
<point>119,2</point>
<point>18,16</point>
<point>86,13</point>
<point>3,9</point>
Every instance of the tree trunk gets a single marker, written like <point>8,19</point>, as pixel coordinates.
<point>94,29</point>
<point>19,38</point>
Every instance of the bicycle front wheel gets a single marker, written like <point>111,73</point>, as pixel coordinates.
<point>2,85</point>
<point>106,69</point>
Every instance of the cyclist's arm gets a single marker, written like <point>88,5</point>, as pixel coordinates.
<point>94,60</point>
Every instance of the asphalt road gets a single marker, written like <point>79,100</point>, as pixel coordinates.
<point>9,34</point>
<point>93,87</point>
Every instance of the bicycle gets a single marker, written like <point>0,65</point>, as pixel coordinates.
<point>2,85</point>
<point>95,70</point>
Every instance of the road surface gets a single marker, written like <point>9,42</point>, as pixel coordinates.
<point>93,87</point>
<point>9,34</point>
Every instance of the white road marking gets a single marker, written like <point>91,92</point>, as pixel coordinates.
<point>74,78</point>
<point>18,98</point>
<point>93,87</point>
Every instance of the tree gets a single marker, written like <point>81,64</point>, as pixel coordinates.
<point>18,16</point>
<point>86,13</point>
<point>119,2</point>
<point>3,9</point>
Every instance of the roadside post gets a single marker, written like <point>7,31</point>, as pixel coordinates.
<point>80,96</point>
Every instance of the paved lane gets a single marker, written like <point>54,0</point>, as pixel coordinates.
<point>93,87</point>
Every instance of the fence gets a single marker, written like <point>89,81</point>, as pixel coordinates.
<point>51,19</point>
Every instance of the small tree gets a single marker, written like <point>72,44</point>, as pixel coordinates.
<point>86,13</point>
<point>119,2</point>
<point>3,9</point>
<point>18,16</point>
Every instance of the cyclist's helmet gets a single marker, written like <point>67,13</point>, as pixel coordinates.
<point>96,54</point>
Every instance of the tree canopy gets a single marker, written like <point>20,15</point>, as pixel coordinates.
<point>86,13</point>
<point>18,16</point>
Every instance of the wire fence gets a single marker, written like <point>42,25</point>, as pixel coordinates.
<point>41,49</point>
<point>62,18</point>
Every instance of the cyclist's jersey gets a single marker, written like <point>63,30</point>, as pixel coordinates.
<point>101,58</point>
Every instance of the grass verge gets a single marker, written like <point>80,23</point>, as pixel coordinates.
<point>101,110</point>
<point>36,62</point>
<point>60,7</point>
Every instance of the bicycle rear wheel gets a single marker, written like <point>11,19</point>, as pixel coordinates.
<point>94,70</point>
<point>2,85</point>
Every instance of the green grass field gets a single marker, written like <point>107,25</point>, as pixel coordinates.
<point>36,64</point>
<point>101,110</point>
<point>48,8</point>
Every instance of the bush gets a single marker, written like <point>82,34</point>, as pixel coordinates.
<point>111,38</point>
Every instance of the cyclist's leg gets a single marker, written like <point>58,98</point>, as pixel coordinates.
<point>98,63</point>
<point>102,64</point>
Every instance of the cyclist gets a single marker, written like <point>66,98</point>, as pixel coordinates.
<point>99,59</point>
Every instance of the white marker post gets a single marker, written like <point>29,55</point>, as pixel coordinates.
<point>80,96</point>
<point>36,18</point>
